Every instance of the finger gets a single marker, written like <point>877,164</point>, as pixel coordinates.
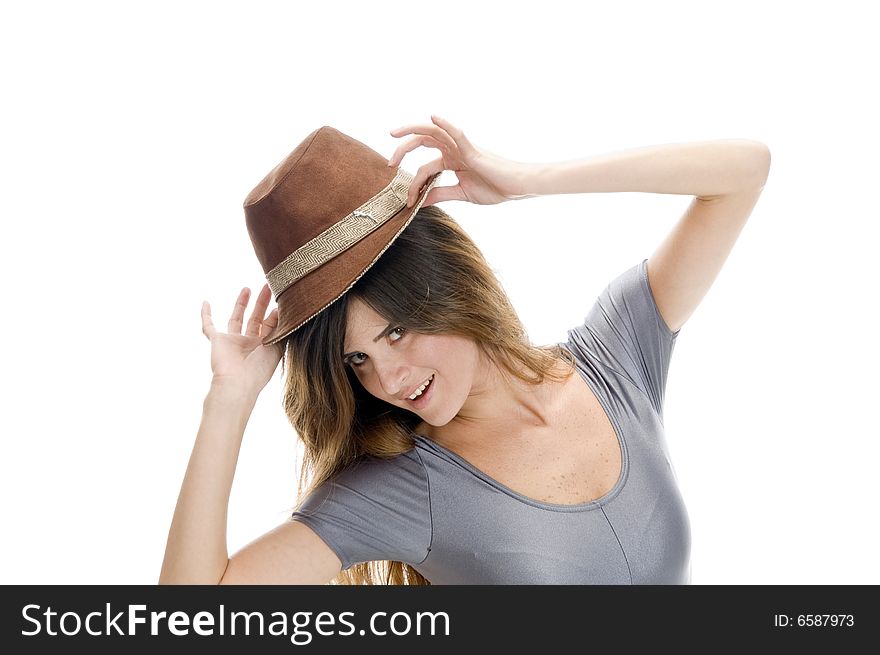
<point>457,135</point>
<point>425,129</point>
<point>412,144</point>
<point>259,313</point>
<point>234,325</point>
<point>270,323</point>
<point>207,324</point>
<point>421,177</point>
<point>443,194</point>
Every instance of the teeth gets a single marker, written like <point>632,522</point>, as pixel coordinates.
<point>419,391</point>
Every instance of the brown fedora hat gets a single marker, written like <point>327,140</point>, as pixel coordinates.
<point>321,218</point>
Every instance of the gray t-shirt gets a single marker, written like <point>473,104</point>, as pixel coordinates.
<point>456,525</point>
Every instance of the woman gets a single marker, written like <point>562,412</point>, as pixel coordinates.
<point>441,447</point>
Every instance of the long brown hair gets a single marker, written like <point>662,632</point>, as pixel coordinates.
<point>433,279</point>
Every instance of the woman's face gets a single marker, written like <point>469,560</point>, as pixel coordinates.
<point>398,362</point>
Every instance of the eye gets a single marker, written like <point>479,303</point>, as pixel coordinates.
<point>353,360</point>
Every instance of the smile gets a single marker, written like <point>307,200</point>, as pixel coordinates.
<point>422,393</point>
<point>422,388</point>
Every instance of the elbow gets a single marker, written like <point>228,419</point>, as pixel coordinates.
<point>188,578</point>
<point>748,165</point>
<point>759,162</point>
<point>163,582</point>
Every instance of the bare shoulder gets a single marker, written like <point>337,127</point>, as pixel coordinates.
<point>292,553</point>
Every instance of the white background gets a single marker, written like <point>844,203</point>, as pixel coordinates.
<point>132,132</point>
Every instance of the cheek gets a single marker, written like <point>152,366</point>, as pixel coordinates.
<point>370,384</point>
<point>364,381</point>
<point>358,379</point>
<point>449,358</point>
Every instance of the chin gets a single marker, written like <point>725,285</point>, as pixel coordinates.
<point>439,423</point>
<point>435,422</point>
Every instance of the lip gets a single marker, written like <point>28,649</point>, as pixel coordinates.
<point>422,400</point>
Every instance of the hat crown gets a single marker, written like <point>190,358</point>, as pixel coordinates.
<point>326,177</point>
<point>321,218</point>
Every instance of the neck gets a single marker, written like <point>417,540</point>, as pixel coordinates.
<point>499,407</point>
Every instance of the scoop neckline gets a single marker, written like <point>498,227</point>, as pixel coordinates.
<point>555,507</point>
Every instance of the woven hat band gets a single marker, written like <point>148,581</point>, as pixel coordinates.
<point>342,235</point>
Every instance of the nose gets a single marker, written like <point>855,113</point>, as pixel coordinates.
<point>392,377</point>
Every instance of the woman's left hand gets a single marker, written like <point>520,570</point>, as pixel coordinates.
<point>483,178</point>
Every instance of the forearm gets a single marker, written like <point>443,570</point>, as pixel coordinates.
<point>703,169</point>
<point>196,551</point>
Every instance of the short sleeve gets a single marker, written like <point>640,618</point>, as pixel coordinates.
<point>376,509</point>
<point>625,332</point>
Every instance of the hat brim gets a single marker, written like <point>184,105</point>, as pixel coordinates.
<point>320,288</point>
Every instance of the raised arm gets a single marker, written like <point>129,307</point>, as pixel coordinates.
<point>725,176</point>
<point>705,169</point>
<point>196,549</point>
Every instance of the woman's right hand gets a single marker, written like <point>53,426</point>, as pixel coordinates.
<point>483,177</point>
<point>241,360</point>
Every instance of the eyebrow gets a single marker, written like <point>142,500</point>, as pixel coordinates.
<point>378,336</point>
